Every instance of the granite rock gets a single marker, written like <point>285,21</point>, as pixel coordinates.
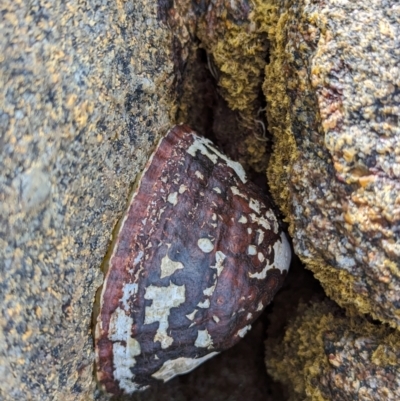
<point>325,355</point>
<point>333,98</point>
<point>86,89</point>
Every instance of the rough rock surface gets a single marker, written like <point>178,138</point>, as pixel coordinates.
<point>83,98</point>
<point>326,356</point>
<point>336,165</point>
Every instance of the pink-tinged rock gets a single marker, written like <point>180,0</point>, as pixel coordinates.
<point>198,256</point>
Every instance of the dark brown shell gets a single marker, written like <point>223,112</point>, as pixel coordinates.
<point>198,255</point>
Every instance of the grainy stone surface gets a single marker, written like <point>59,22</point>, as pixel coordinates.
<point>84,94</point>
<point>336,165</point>
<point>326,356</point>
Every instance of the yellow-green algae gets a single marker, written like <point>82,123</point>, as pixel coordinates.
<point>239,50</point>
<point>278,111</point>
<point>305,362</point>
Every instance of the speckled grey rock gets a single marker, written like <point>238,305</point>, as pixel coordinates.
<point>85,91</point>
<point>336,166</point>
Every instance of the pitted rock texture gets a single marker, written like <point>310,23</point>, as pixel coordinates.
<point>336,164</point>
<point>326,356</point>
<point>197,257</point>
<point>84,95</point>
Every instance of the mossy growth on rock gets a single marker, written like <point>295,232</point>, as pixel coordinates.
<point>234,37</point>
<point>326,355</point>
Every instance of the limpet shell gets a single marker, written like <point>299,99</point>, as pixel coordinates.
<point>198,255</point>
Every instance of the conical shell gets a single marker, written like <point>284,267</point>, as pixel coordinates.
<point>198,256</point>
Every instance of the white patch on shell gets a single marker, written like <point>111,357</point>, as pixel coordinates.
<point>205,304</point>
<point>199,175</point>
<point>249,230</point>
<point>214,216</point>
<point>216,319</point>
<point>207,149</point>
<point>219,260</point>
<point>271,216</point>
<point>180,366</point>
<point>182,189</point>
<point>164,298</point>
<point>120,326</point>
<point>217,190</point>
<point>173,198</point>
<point>255,205</point>
<point>261,221</point>
<point>205,245</point>
<point>251,250</point>
<point>203,339</point>
<point>242,332</point>
<point>260,238</point>
<point>125,348</point>
<point>242,220</point>
<point>191,316</point>
<point>123,360</point>
<point>209,291</point>
<point>235,191</point>
<point>260,257</point>
<point>161,211</point>
<point>282,253</point>
<point>127,292</point>
<point>168,266</point>
<point>260,307</point>
<point>249,316</point>
<point>138,258</point>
